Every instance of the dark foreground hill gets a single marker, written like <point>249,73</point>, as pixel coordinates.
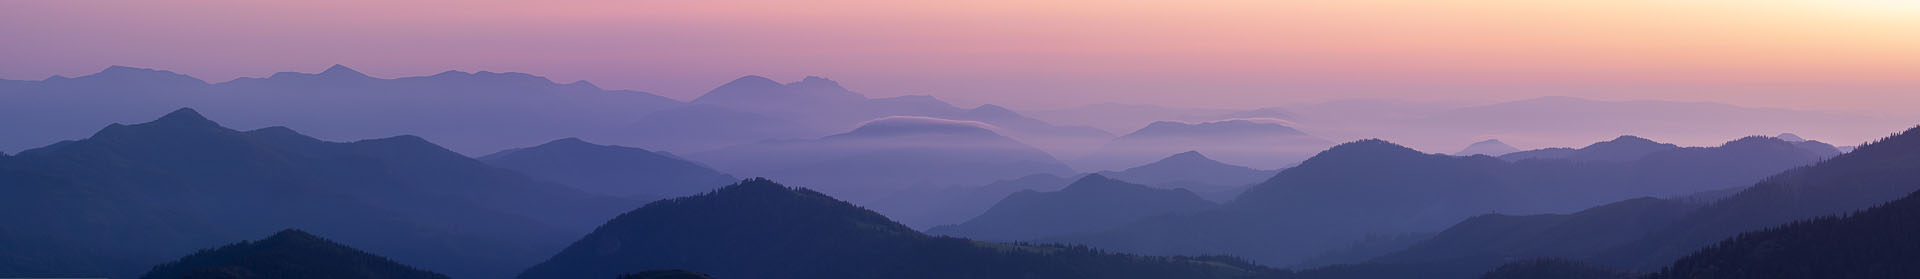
<point>1874,243</point>
<point>290,254</point>
<point>761,229</point>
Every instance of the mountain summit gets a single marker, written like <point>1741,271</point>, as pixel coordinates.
<point>289,254</point>
<point>612,170</point>
<point>761,229</point>
<point>341,71</point>
<point>1620,149</point>
<point>1259,143</point>
<point>1491,147</point>
<point>1194,171</point>
<point>1091,204</point>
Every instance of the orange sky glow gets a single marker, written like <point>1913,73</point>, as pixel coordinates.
<point>1859,55</point>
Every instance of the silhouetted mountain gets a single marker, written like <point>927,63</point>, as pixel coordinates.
<point>1373,187</point>
<point>1873,243</point>
<point>1641,233</point>
<point>924,208</point>
<point>756,93</point>
<point>1482,243</point>
<point>1570,119</point>
<point>1492,147</point>
<point>819,105</point>
<point>1553,268</point>
<point>1193,171</point>
<point>1093,203</point>
<point>289,254</point>
<point>469,112</point>
<point>610,170</point>
<point>890,153</point>
<point>1819,148</point>
<point>1823,149</point>
<point>135,195</point>
<point>760,229</point>
<point>1875,173</point>
<point>1259,143</point>
<point>1624,148</point>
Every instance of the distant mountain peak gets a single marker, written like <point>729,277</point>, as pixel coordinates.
<point>114,69</point>
<point>910,125</point>
<point>584,83</point>
<point>1790,137</point>
<point>117,73</point>
<point>993,109</point>
<point>184,116</point>
<point>1759,140</point>
<point>1490,147</point>
<point>292,235</point>
<point>1101,183</point>
<point>342,71</point>
<point>1190,155</point>
<point>815,81</point>
<point>1368,146</point>
<point>1631,139</point>
<point>1091,178</point>
<point>452,73</point>
<point>1371,144</point>
<point>570,141</point>
<point>749,81</point>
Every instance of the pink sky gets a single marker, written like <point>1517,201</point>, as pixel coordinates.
<point>1807,54</point>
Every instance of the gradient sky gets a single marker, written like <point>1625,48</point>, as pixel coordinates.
<point>1806,54</point>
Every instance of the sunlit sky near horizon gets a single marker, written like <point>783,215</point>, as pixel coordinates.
<point>1861,55</point>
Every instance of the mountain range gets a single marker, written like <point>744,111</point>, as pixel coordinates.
<point>1091,204</point>
<point>1559,120</point>
<point>754,108</point>
<point>1623,148</point>
<point>611,170</point>
<point>131,196</point>
<point>890,153</point>
<point>1872,243</point>
<point>469,111</point>
<point>1194,171</point>
<point>1646,234</point>
<point>479,112</point>
<point>761,229</point>
<point>1259,143</point>
<point>1870,175</point>
<point>1374,187</point>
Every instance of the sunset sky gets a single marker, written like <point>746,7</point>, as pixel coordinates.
<point>1806,54</point>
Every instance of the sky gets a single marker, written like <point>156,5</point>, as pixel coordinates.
<point>1857,55</point>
